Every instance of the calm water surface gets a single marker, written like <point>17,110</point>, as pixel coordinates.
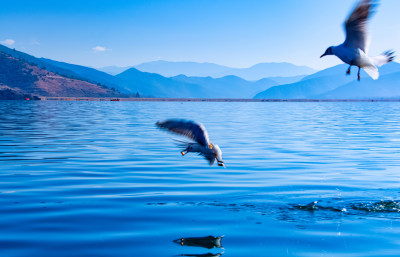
<point>99,179</point>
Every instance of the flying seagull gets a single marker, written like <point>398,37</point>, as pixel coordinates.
<point>198,133</point>
<point>354,50</point>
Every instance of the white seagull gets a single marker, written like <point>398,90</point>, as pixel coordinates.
<point>354,50</point>
<point>198,133</point>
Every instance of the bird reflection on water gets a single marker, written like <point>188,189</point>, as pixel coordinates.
<point>203,255</point>
<point>208,242</point>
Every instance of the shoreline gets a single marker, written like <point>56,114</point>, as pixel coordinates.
<point>207,99</point>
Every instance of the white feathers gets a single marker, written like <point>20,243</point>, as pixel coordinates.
<point>384,58</point>
<point>372,71</point>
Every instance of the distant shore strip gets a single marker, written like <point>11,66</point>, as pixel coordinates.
<point>208,99</point>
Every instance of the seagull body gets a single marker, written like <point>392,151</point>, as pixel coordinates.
<point>196,132</point>
<point>354,50</point>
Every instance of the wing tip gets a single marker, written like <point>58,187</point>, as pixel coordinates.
<point>159,124</point>
<point>390,54</point>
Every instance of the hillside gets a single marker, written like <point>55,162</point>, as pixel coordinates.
<point>19,78</point>
<point>85,73</point>
<point>65,69</point>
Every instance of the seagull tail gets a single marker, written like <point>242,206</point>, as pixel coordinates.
<point>372,71</point>
<point>384,58</point>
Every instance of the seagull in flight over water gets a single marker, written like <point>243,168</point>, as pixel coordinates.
<point>354,50</point>
<point>196,132</point>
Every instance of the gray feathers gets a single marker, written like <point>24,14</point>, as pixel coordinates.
<point>356,25</point>
<point>190,129</point>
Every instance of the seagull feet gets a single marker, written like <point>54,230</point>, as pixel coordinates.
<point>359,72</point>
<point>348,71</point>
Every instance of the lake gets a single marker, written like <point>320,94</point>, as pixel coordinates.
<point>99,179</point>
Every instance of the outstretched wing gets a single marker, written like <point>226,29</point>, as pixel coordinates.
<point>190,129</point>
<point>356,25</point>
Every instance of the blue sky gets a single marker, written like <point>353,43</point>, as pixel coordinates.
<point>229,32</point>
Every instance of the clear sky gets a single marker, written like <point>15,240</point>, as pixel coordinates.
<point>236,33</point>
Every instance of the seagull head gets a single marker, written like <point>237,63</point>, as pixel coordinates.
<point>218,155</point>
<point>327,52</point>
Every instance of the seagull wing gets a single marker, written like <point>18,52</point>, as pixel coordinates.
<point>209,157</point>
<point>190,129</point>
<point>356,26</point>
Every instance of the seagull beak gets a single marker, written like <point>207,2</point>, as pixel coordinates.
<point>322,55</point>
<point>221,163</point>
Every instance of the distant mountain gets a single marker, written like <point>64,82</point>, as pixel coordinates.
<point>387,86</point>
<point>114,70</point>
<point>332,83</point>
<point>193,69</point>
<point>18,79</point>
<point>267,70</point>
<point>229,86</point>
<point>287,80</point>
<point>155,85</point>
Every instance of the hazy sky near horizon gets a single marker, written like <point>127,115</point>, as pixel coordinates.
<point>236,33</point>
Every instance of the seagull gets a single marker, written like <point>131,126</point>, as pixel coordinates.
<point>196,132</point>
<point>354,50</point>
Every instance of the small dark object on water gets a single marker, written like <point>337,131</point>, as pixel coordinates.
<point>208,242</point>
<point>203,255</point>
<point>309,207</point>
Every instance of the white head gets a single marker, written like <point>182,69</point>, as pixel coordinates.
<point>218,155</point>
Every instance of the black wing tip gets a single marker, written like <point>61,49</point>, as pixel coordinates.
<point>390,55</point>
<point>160,124</point>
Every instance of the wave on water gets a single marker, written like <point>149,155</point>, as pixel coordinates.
<point>382,206</point>
<point>359,208</point>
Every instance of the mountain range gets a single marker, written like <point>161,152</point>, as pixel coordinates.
<point>193,69</point>
<point>134,82</point>
<point>23,75</point>
<point>332,83</point>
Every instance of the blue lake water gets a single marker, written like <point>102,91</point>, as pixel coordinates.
<point>99,179</point>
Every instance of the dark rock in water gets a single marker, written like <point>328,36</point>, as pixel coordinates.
<point>208,242</point>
